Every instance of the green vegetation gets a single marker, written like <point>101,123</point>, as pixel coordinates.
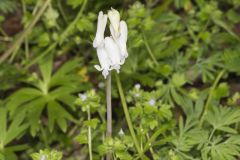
<point>176,96</point>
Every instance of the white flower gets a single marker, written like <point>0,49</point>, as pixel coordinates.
<point>83,97</point>
<point>101,25</point>
<point>152,102</point>
<point>43,157</point>
<point>121,40</point>
<point>137,86</point>
<point>121,133</point>
<point>137,95</point>
<point>113,53</point>
<point>114,18</point>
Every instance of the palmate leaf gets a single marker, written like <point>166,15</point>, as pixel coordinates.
<point>53,92</point>
<point>222,150</point>
<point>221,117</point>
<point>20,97</point>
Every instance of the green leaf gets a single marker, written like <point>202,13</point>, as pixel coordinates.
<point>43,40</point>
<point>220,117</point>
<point>178,79</point>
<point>46,68</point>
<point>34,110</point>
<point>49,155</point>
<point>56,113</point>
<point>226,27</point>
<point>92,123</point>
<point>21,97</point>
<point>16,128</point>
<point>222,150</point>
<point>82,138</point>
<point>221,91</point>
<point>3,124</point>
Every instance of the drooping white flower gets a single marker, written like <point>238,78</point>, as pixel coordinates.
<point>101,25</point>
<point>114,18</point>
<point>113,53</point>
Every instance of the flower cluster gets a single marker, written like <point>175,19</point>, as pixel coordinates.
<point>111,50</point>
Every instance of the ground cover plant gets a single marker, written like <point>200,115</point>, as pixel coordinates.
<point>169,92</point>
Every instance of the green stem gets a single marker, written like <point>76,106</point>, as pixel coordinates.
<point>127,116</point>
<point>89,136</point>
<point>62,11</point>
<point>210,137</point>
<point>149,49</point>
<point>210,96</point>
<point>63,36</point>
<point>25,32</point>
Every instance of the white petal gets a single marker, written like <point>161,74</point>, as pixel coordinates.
<point>113,51</point>
<point>103,58</point>
<point>105,73</point>
<point>113,33</point>
<point>123,48</point>
<point>102,22</point>
<point>122,40</point>
<point>123,31</point>
<point>98,67</point>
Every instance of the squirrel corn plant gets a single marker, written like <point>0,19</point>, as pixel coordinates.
<point>111,52</point>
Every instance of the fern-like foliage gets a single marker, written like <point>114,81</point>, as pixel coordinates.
<point>189,135</point>
<point>221,149</point>
<point>222,117</point>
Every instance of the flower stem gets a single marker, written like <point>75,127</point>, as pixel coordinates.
<point>89,136</point>
<point>62,37</point>
<point>149,50</point>
<point>24,34</point>
<point>127,116</point>
<point>109,111</point>
<point>210,96</point>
